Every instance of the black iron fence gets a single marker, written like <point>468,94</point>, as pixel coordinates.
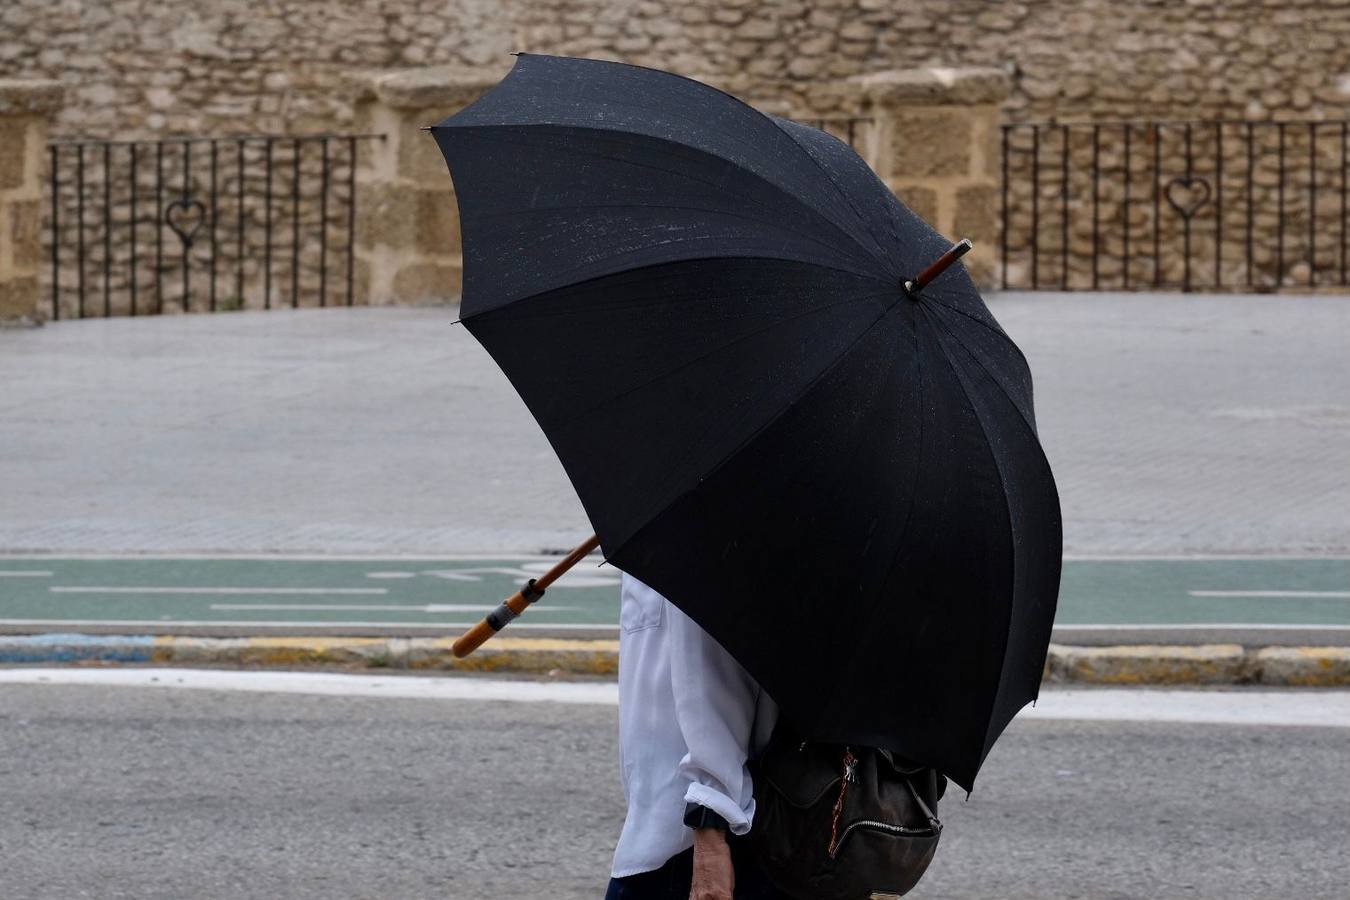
<point>193,224</point>
<point>1216,205</point>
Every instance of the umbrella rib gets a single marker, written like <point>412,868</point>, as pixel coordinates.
<point>577,418</point>
<point>520,302</point>
<point>732,215</point>
<point>957,337</point>
<point>740,195</point>
<point>913,492</point>
<point>787,407</point>
<point>1003,488</point>
<point>839,189</point>
<point>936,298</point>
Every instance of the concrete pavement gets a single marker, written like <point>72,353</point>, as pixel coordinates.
<point>163,793</point>
<point>1175,425</point>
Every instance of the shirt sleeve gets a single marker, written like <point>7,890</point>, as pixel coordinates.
<point>715,705</point>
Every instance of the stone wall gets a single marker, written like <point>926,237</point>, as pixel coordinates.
<point>25,108</point>
<point>150,67</point>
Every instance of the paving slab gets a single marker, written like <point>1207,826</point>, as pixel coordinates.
<point>1175,425</point>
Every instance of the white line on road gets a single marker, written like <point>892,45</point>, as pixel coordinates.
<point>24,573</point>
<point>1320,708</point>
<point>1205,626</point>
<point>213,590</point>
<point>425,607</point>
<point>313,623</point>
<point>603,694</point>
<point>1275,594</point>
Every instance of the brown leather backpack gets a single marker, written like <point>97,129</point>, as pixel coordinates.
<point>837,822</point>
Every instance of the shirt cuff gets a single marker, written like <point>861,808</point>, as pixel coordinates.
<point>738,819</point>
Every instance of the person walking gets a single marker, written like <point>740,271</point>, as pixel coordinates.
<point>690,719</point>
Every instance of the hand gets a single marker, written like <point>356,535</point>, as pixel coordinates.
<point>713,875</point>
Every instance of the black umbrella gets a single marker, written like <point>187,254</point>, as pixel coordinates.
<point>705,308</point>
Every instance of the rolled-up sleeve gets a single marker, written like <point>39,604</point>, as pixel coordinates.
<point>715,704</point>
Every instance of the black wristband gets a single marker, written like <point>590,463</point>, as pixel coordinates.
<point>697,816</point>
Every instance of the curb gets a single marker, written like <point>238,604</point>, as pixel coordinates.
<point>1207,664</point>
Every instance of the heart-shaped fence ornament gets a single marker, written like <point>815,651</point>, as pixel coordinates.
<point>1188,194</point>
<point>185,218</point>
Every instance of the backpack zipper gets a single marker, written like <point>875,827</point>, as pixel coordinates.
<point>850,775</point>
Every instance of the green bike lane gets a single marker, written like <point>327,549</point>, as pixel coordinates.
<point>1190,600</point>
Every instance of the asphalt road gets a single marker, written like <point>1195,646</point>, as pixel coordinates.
<point>150,793</point>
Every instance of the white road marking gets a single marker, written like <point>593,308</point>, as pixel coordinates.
<point>1276,594</point>
<point>1329,709</point>
<point>313,623</point>
<point>416,687</point>
<point>22,573</point>
<point>339,607</point>
<point>391,574</point>
<point>1319,708</point>
<point>1205,626</point>
<point>213,590</point>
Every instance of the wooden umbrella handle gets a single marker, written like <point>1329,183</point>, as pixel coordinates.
<point>518,602</point>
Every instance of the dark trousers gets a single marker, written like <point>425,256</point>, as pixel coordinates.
<point>673,880</point>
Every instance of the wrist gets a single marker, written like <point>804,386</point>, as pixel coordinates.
<point>701,819</point>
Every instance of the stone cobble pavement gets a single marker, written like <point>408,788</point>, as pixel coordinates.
<point>1174,424</point>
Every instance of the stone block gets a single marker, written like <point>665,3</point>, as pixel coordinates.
<point>1304,666</point>
<point>447,88</point>
<point>13,154</point>
<point>19,298</point>
<point>25,233</point>
<point>927,143</point>
<point>924,201</point>
<point>899,89</point>
<point>419,157</point>
<point>402,216</point>
<point>1203,664</point>
<point>977,214</point>
<point>29,97</point>
<point>427,282</point>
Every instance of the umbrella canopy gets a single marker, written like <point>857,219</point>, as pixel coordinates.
<point>704,309</point>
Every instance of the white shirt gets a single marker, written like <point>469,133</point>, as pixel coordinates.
<point>689,716</point>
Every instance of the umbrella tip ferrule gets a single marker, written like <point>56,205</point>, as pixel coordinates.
<point>924,278</point>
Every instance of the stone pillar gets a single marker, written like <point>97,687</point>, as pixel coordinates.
<point>25,108</point>
<point>407,231</point>
<point>935,142</point>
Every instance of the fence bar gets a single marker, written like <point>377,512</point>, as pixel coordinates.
<point>1125,216</point>
<point>1218,204</point>
<point>1186,219</point>
<point>186,241</point>
<point>1064,208</point>
<point>215,205</point>
<point>1096,202</point>
<point>1251,188</point>
<point>239,228</point>
<point>1345,139</point>
<point>159,226</point>
<point>351,214</point>
<point>1279,246</point>
<point>107,230</point>
<point>1157,204</point>
<point>79,224</point>
<point>135,225</point>
<point>295,225</point>
<point>1035,205</point>
<point>323,224</point>
<point>56,233</point>
<point>267,225</point>
<point>1312,203</point>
